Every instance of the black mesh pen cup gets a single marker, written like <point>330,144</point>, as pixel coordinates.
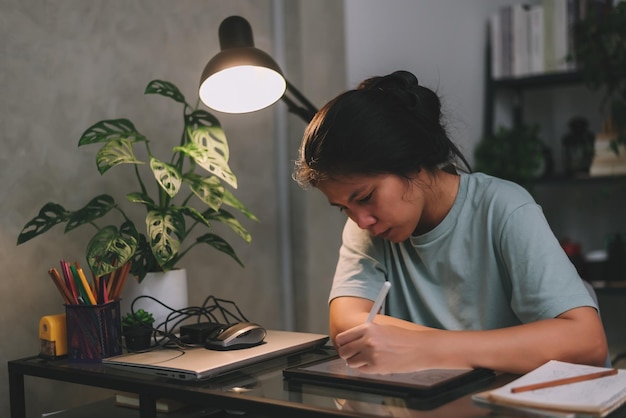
<point>94,332</point>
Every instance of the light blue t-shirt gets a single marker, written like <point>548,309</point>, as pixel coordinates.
<point>493,262</point>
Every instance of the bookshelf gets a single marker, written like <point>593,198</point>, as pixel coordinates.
<point>518,85</point>
<point>527,56</point>
<point>584,208</point>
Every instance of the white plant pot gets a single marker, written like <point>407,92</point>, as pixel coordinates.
<point>170,288</point>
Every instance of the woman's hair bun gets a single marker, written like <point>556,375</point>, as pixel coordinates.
<point>403,80</point>
<point>402,85</point>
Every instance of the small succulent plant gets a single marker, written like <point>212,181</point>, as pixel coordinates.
<point>139,318</point>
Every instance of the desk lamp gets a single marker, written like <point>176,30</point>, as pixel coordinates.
<point>242,78</point>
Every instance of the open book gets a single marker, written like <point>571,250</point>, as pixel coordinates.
<point>596,398</point>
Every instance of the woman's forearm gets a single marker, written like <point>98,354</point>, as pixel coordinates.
<point>393,345</point>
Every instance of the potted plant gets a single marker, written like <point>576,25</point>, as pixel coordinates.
<point>515,154</point>
<point>600,56</point>
<point>137,329</point>
<point>190,195</point>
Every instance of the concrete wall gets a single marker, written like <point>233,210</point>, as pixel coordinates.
<point>68,64</point>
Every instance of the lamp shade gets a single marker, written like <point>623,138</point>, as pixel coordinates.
<point>240,78</point>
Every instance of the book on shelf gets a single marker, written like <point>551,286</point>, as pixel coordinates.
<point>530,38</point>
<point>500,33</point>
<point>520,38</point>
<point>536,41</point>
<point>495,38</point>
<point>560,35</point>
<point>595,397</point>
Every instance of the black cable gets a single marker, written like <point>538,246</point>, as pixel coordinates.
<point>213,310</point>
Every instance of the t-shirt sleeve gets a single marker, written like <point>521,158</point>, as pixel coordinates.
<point>360,270</point>
<point>544,282</point>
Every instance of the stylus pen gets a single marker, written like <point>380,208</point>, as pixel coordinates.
<point>379,302</point>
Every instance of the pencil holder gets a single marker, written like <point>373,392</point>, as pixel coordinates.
<point>93,331</point>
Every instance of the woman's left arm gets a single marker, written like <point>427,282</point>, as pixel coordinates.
<point>575,336</point>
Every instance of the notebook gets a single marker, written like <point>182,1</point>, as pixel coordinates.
<point>200,363</point>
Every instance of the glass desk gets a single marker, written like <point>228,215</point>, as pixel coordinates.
<point>259,389</point>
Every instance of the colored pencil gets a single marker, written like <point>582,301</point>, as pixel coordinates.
<point>564,381</point>
<point>58,281</point>
<point>83,280</point>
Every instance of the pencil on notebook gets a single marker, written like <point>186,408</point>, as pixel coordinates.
<point>564,381</point>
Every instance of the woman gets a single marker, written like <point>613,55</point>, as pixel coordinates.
<point>478,278</point>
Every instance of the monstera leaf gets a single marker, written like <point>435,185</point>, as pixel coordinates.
<point>109,249</point>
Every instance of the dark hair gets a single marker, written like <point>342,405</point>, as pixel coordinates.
<point>387,125</point>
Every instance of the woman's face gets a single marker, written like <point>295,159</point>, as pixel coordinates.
<point>387,206</point>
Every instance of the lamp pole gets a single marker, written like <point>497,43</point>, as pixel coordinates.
<point>306,110</point>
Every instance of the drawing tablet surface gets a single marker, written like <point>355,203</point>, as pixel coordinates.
<point>201,363</point>
<point>427,382</point>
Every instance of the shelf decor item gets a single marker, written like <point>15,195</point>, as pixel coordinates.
<point>189,195</point>
<point>600,55</point>
<point>578,147</point>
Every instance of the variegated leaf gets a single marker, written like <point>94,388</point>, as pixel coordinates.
<point>168,176</point>
<point>165,88</point>
<point>208,189</point>
<point>202,118</point>
<point>228,219</point>
<point>210,159</point>
<point>110,130</point>
<point>219,244</point>
<point>230,200</point>
<point>49,215</point>
<point>96,208</point>
<point>165,230</point>
<point>213,139</point>
<point>118,151</point>
<point>196,215</point>
<point>136,197</point>
<point>108,249</point>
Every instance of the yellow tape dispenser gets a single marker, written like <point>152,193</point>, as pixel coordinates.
<point>52,336</point>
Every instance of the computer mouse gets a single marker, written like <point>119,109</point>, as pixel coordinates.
<point>236,336</point>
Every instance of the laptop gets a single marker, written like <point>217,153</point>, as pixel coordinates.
<point>199,363</point>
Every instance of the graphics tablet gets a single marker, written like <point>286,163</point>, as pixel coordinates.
<point>426,382</point>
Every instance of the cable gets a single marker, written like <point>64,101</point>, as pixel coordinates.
<point>213,310</point>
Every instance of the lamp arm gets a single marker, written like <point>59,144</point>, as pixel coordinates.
<point>306,110</point>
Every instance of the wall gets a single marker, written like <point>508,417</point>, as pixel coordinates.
<point>68,64</point>
<point>442,43</point>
